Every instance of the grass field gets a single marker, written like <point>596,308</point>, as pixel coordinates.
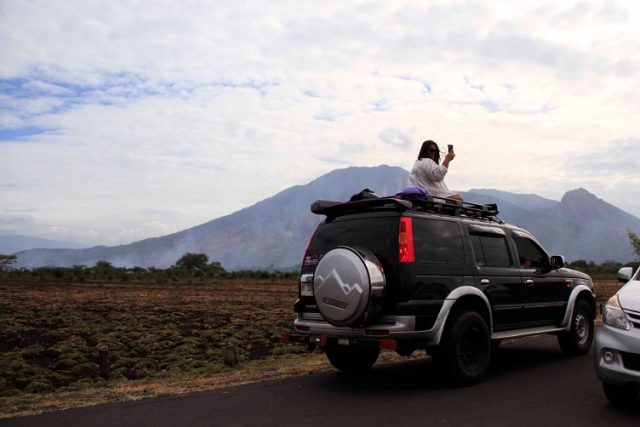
<point>67,344</point>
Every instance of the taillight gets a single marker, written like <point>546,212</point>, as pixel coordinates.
<point>302,264</point>
<point>405,240</point>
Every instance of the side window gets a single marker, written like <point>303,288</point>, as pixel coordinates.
<point>530,255</point>
<point>438,242</point>
<point>490,250</point>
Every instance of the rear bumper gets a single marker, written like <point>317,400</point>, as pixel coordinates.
<point>395,327</point>
<point>387,327</point>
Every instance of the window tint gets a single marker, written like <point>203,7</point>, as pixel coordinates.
<point>438,241</point>
<point>530,255</point>
<point>357,233</point>
<point>490,250</point>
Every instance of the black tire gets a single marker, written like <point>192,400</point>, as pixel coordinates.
<point>578,340</point>
<point>621,395</point>
<point>352,359</point>
<point>465,350</point>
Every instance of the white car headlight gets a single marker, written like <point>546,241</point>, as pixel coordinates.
<point>614,316</point>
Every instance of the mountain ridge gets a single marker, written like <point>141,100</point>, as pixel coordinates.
<point>272,233</point>
<point>11,243</point>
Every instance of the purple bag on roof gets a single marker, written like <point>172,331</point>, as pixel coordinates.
<point>413,193</point>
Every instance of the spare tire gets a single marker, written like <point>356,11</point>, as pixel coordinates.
<point>349,286</point>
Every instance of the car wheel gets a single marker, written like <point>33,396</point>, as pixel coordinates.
<point>620,395</point>
<point>465,351</point>
<point>352,359</point>
<point>577,340</point>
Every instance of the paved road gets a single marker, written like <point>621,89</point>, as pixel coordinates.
<point>530,384</point>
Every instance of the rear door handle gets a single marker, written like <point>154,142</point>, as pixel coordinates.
<point>485,282</point>
<point>528,282</point>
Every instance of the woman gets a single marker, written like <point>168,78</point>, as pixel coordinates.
<point>428,173</point>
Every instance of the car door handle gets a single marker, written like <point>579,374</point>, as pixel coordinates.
<point>528,282</point>
<point>485,282</point>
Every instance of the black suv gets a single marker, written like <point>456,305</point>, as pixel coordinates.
<point>450,278</point>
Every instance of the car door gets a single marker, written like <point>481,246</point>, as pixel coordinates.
<point>498,276</point>
<point>545,290</point>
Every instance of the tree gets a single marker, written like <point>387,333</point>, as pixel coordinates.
<point>635,243</point>
<point>193,262</point>
<point>215,268</point>
<point>103,270</point>
<point>580,264</point>
<point>6,261</point>
<point>104,265</point>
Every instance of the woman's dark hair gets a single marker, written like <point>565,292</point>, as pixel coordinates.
<point>427,149</point>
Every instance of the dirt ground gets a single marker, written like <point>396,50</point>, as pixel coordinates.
<point>65,345</point>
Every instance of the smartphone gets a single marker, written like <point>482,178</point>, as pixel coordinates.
<point>450,148</point>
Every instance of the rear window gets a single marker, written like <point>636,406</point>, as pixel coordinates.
<point>377,234</point>
<point>437,241</point>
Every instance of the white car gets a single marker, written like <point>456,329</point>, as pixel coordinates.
<point>616,349</point>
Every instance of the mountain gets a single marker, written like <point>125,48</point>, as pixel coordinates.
<point>579,226</point>
<point>10,244</point>
<point>594,226</point>
<point>530,202</point>
<point>273,233</point>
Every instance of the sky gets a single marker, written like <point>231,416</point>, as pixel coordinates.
<point>123,120</point>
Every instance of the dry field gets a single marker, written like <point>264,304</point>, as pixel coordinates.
<point>58,338</point>
<point>604,289</point>
<point>64,345</point>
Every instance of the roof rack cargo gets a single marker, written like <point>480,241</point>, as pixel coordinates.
<point>429,204</point>
<point>331,209</point>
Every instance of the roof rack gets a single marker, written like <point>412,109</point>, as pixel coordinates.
<point>429,204</point>
<point>330,208</point>
<point>454,208</point>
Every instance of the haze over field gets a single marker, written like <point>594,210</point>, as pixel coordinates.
<point>125,120</point>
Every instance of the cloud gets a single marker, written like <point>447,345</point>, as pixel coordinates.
<point>621,157</point>
<point>120,120</point>
<point>7,221</point>
<point>398,138</point>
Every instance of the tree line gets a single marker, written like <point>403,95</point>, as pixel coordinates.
<point>197,266</point>
<point>190,267</point>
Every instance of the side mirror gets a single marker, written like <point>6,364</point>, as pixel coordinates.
<point>624,274</point>
<point>557,261</point>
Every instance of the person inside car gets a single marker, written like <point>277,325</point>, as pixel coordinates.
<point>428,174</point>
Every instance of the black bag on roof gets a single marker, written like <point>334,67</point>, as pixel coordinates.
<point>364,194</point>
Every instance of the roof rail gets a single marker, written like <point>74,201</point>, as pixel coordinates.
<point>429,204</point>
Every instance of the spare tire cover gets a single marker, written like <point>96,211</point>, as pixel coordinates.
<point>348,286</point>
